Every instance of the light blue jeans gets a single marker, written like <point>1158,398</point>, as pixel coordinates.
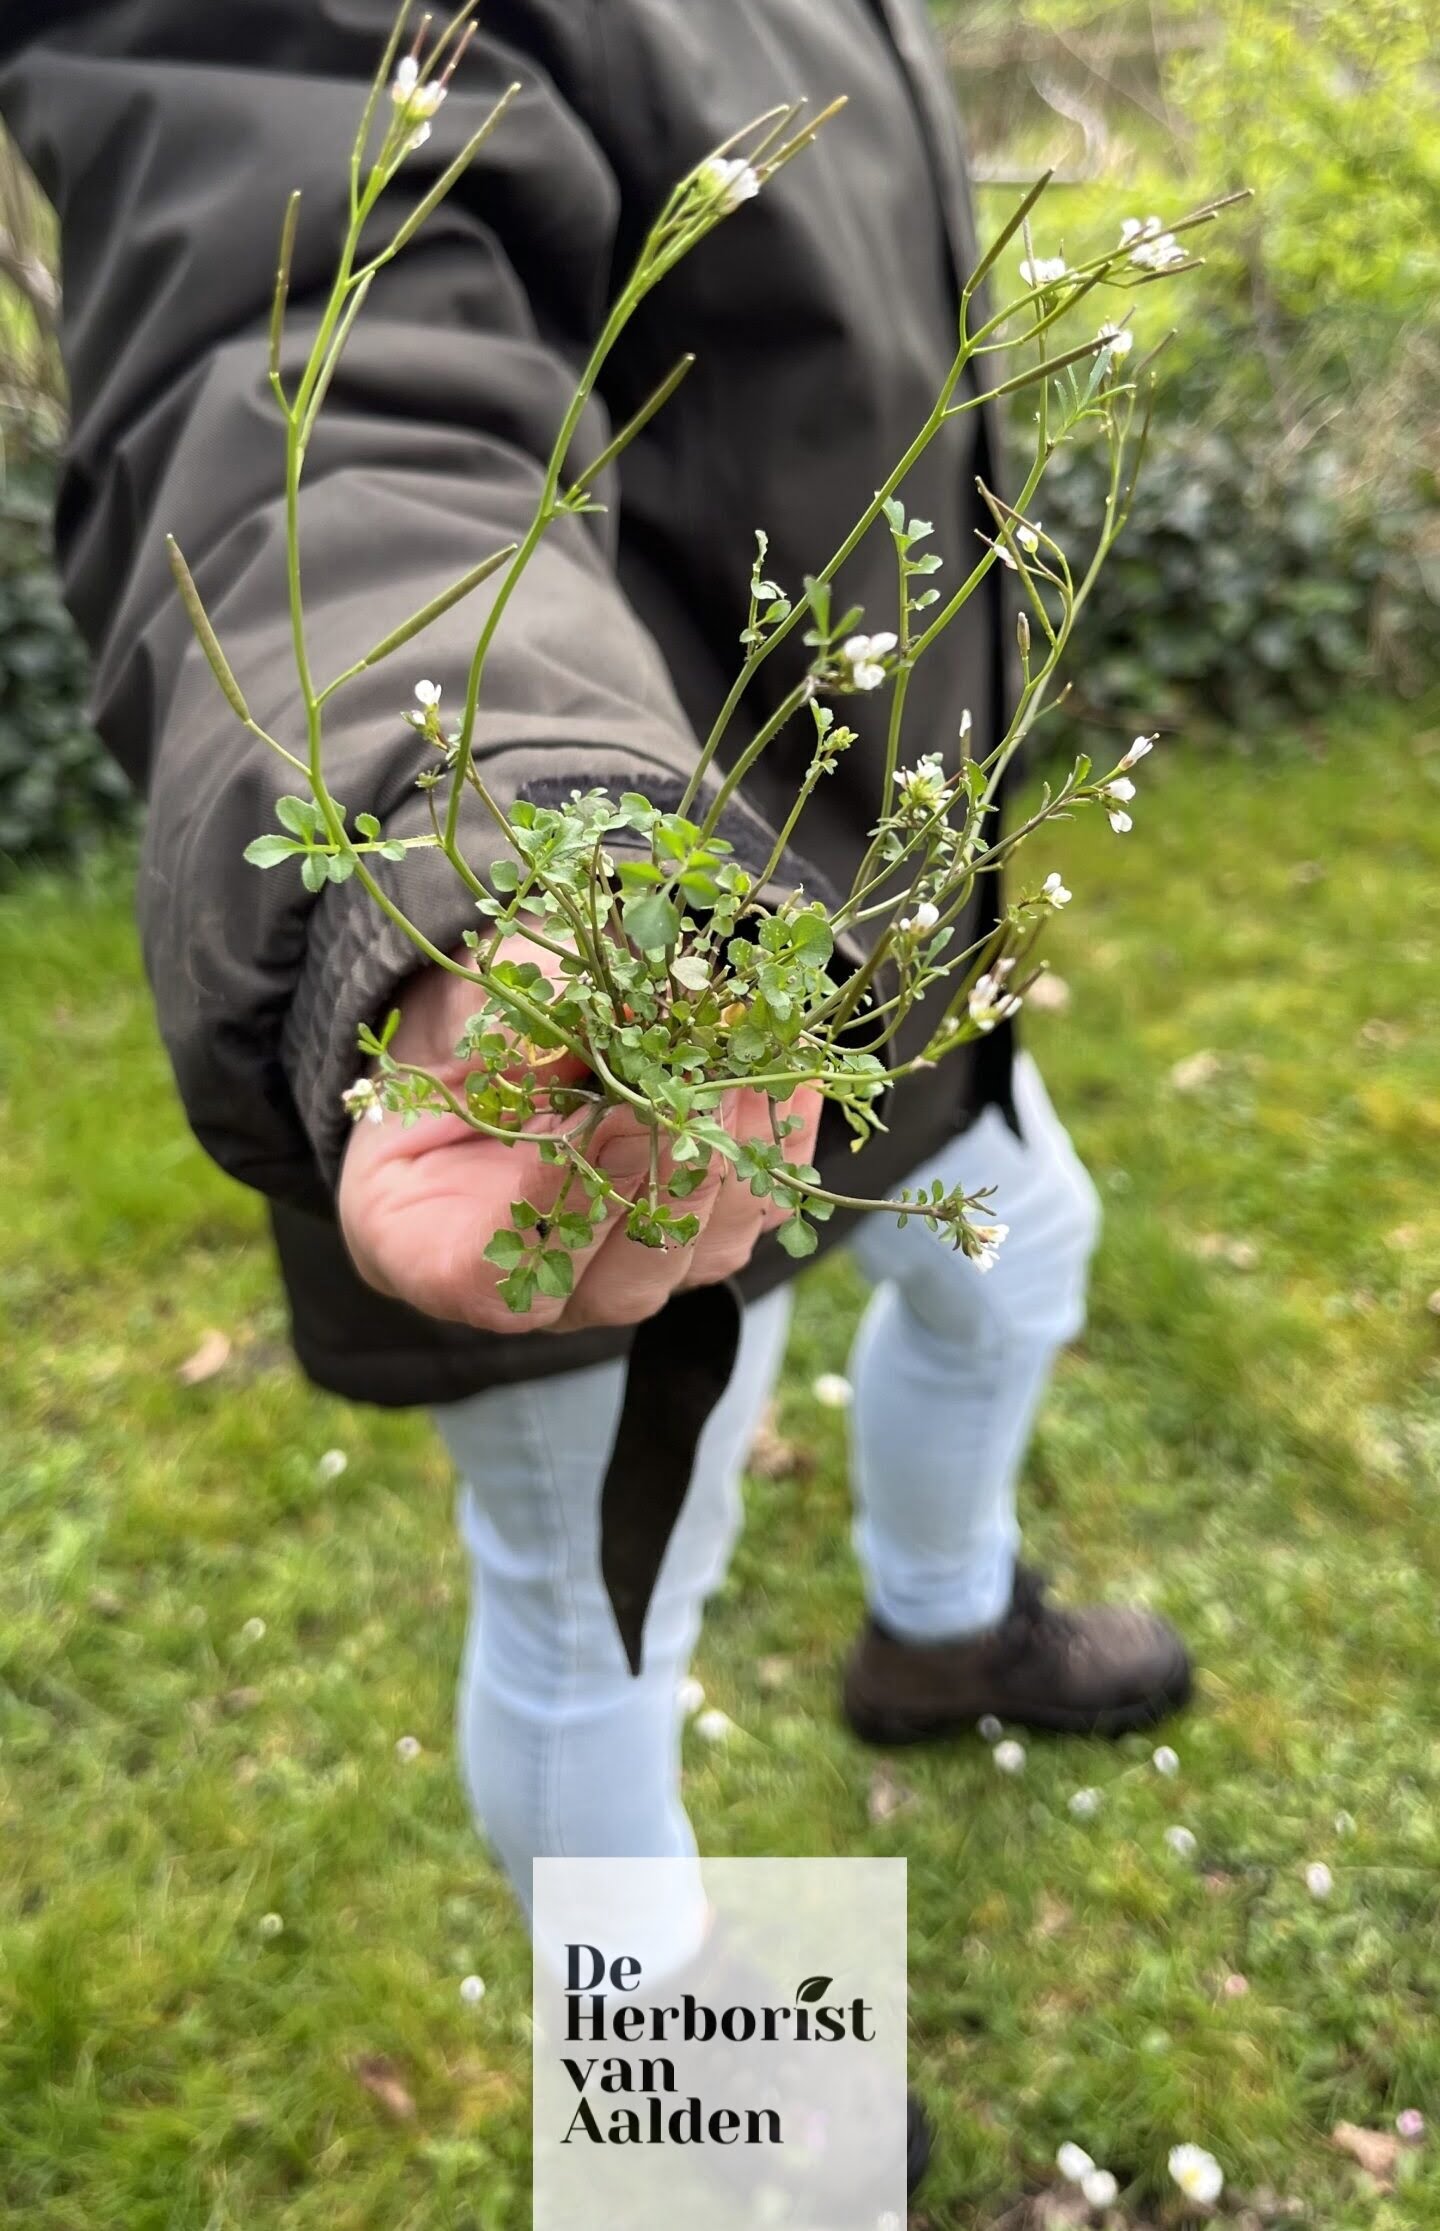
<point>564,1753</point>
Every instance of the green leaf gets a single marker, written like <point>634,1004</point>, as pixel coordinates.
<point>640,875</point>
<point>518,1290</point>
<point>651,921</point>
<point>268,852</point>
<point>691,970</point>
<point>555,1274</point>
<point>301,815</point>
<point>814,938</point>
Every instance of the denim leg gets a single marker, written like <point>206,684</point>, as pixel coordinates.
<point>564,1753</point>
<point>949,1367</point>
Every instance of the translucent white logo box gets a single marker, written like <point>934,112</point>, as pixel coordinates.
<point>759,2083</point>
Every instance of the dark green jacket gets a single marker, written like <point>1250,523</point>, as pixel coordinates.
<point>169,134</point>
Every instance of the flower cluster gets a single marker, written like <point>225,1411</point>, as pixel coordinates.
<point>862,661</point>
<point>922,789</point>
<point>727,182</point>
<point>990,1003</point>
<point>1118,790</point>
<point>416,100</point>
<point>1099,2187</point>
<point>1151,247</point>
<point>364,1100</point>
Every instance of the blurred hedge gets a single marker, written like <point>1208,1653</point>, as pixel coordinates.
<point>1286,537</point>
<point>57,786</point>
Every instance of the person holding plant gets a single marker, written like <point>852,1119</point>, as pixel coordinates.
<point>821,317</point>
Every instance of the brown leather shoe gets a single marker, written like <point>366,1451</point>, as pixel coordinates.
<point>1096,1672</point>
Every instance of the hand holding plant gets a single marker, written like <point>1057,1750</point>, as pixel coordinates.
<point>636,1014</point>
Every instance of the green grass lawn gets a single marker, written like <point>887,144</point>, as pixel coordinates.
<point>1249,1435</point>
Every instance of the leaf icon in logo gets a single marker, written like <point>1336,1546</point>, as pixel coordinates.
<point>812,1990</point>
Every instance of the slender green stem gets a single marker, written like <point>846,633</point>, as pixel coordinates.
<point>800,695</point>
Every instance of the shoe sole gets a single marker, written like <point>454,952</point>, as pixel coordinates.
<point>889,1733</point>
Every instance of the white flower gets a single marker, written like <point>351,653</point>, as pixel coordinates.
<point>1151,247</point>
<point>832,1391</point>
<point>922,787</point>
<point>1043,271</point>
<point>407,1748</point>
<point>1318,1879</point>
<point>363,1099</point>
<point>1181,1842</point>
<point>253,1631</point>
<point>1166,1761</point>
<point>1197,2173</point>
<point>1100,2189</point>
<point>1073,2163</point>
<point>1054,890</point>
<point>472,1990</point>
<point>989,1002</point>
<point>331,1465</point>
<point>690,1696</point>
<point>416,102</point>
<point>924,918</point>
<point>729,181</point>
<point>1009,1757</point>
<point>1086,1803</point>
<point>714,1726</point>
<point>989,1729</point>
<point>1118,339</point>
<point>1140,749</point>
<point>864,656</point>
<point>984,1242</point>
<point>270,1924</point>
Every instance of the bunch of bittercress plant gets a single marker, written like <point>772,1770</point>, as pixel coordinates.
<point>675,974</point>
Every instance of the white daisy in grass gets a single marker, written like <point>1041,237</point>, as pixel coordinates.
<point>1197,2173</point>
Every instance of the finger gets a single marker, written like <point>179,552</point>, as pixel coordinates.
<point>422,1230</point>
<point>736,1221</point>
<point>799,1147</point>
<point>624,1280</point>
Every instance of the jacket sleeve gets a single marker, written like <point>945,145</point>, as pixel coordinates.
<point>169,137</point>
